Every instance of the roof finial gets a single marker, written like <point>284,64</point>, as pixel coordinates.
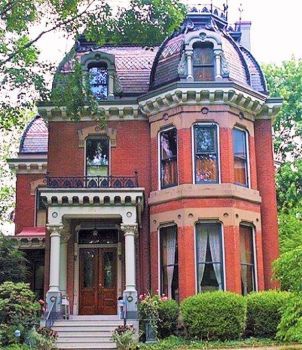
<point>240,9</point>
<point>225,9</point>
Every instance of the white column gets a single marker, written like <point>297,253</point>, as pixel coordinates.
<point>63,262</point>
<point>111,83</point>
<point>190,65</point>
<point>218,64</point>
<point>54,273</point>
<point>129,232</point>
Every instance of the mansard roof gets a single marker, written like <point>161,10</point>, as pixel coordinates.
<point>35,137</point>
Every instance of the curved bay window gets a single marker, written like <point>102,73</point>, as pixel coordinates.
<point>206,154</point>
<point>209,257</point>
<point>97,156</point>
<point>240,157</point>
<point>168,158</point>
<point>203,61</point>
<point>98,80</point>
<point>248,278</point>
<point>169,262</point>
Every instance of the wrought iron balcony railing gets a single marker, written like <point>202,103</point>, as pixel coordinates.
<point>92,182</point>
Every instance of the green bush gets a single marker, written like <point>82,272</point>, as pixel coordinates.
<point>168,311</point>
<point>214,315</point>
<point>263,313</point>
<point>18,310</point>
<point>290,327</point>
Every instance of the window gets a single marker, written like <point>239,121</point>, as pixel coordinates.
<point>168,158</point>
<point>209,257</point>
<point>248,283</point>
<point>97,156</point>
<point>240,157</point>
<point>169,262</point>
<point>203,61</point>
<point>40,210</point>
<point>98,79</point>
<point>206,155</point>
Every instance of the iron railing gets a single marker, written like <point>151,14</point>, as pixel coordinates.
<point>92,182</point>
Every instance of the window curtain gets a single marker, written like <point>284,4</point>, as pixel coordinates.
<point>169,175</point>
<point>171,249</point>
<point>240,171</point>
<point>215,247</point>
<point>202,240</point>
<point>244,259</point>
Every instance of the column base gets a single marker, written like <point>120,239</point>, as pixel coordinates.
<point>52,297</point>
<point>130,299</point>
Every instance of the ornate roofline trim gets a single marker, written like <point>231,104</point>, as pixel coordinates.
<point>203,36</point>
<point>28,165</point>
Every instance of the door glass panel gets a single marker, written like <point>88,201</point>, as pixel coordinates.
<point>108,269</point>
<point>89,271</point>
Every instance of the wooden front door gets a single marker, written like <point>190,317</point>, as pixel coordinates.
<point>98,280</point>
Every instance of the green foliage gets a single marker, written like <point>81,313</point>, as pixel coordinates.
<point>12,261</point>
<point>18,310</point>
<point>290,327</point>
<point>37,340</point>
<point>16,347</point>
<point>168,311</point>
<point>264,312</point>
<point>285,80</point>
<point>214,315</point>
<point>125,338</point>
<point>148,310</point>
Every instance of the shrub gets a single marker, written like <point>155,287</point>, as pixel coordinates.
<point>18,310</point>
<point>214,315</point>
<point>125,338</point>
<point>37,340</point>
<point>290,327</point>
<point>263,312</point>
<point>168,311</point>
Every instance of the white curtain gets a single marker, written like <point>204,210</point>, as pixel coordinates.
<point>171,248</point>
<point>243,258</point>
<point>215,247</point>
<point>201,241</point>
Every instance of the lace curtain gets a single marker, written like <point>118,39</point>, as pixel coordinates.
<point>171,250</point>
<point>215,247</point>
<point>202,242</point>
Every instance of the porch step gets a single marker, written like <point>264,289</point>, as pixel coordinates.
<point>86,332</point>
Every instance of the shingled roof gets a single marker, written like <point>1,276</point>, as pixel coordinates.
<point>35,137</point>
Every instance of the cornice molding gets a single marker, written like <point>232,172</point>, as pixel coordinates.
<point>28,166</point>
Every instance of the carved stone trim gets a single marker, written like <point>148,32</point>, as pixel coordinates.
<point>96,131</point>
<point>55,230</point>
<point>35,184</point>
<point>129,229</point>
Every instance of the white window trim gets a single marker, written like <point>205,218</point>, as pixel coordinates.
<point>95,137</point>
<point>193,152</point>
<point>247,155</point>
<point>159,187</point>
<point>222,247</point>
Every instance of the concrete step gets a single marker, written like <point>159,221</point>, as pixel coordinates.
<point>84,328</point>
<point>83,346</point>
<point>88,334</point>
<point>88,322</point>
<point>81,340</point>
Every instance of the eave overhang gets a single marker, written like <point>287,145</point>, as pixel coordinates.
<point>28,165</point>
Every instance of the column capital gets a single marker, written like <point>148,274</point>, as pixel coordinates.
<point>129,228</point>
<point>55,230</point>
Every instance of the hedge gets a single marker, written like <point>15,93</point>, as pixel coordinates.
<point>214,315</point>
<point>263,312</point>
<point>168,311</point>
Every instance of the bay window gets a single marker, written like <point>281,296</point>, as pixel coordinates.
<point>247,259</point>
<point>209,257</point>
<point>206,153</point>
<point>169,262</point>
<point>168,158</point>
<point>240,157</point>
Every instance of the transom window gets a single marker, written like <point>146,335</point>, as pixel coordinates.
<point>206,154</point>
<point>168,158</point>
<point>240,157</point>
<point>98,79</point>
<point>169,262</point>
<point>248,281</point>
<point>209,257</point>
<point>203,61</point>
<point>97,156</point>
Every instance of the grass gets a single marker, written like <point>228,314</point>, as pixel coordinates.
<point>183,344</point>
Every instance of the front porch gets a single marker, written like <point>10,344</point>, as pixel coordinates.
<point>92,246</point>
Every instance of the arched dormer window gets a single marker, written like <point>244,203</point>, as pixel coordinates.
<point>98,80</point>
<point>203,61</point>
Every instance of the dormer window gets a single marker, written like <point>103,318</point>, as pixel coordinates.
<point>203,61</point>
<point>98,79</point>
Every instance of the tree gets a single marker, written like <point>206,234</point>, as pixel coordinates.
<point>285,80</point>
<point>12,261</point>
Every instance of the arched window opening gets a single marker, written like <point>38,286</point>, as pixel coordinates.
<point>97,156</point>
<point>98,80</point>
<point>247,259</point>
<point>203,61</point>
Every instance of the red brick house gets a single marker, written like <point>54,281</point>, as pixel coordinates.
<point>175,194</point>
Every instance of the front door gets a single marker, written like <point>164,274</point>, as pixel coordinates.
<point>98,279</point>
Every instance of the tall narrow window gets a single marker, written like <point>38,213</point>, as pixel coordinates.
<point>168,158</point>
<point>40,210</point>
<point>206,154</point>
<point>169,262</point>
<point>97,156</point>
<point>248,283</point>
<point>203,61</point>
<point>240,157</point>
<point>209,257</point>
<point>98,79</point>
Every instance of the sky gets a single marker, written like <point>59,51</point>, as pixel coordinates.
<point>275,33</point>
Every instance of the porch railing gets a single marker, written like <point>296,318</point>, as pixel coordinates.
<point>92,182</point>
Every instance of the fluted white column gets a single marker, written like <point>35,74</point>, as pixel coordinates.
<point>63,261</point>
<point>54,273</point>
<point>217,54</point>
<point>190,65</point>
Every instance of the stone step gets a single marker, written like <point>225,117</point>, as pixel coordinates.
<point>84,333</point>
<point>95,339</point>
<point>79,346</point>
<point>83,328</point>
<point>88,322</point>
